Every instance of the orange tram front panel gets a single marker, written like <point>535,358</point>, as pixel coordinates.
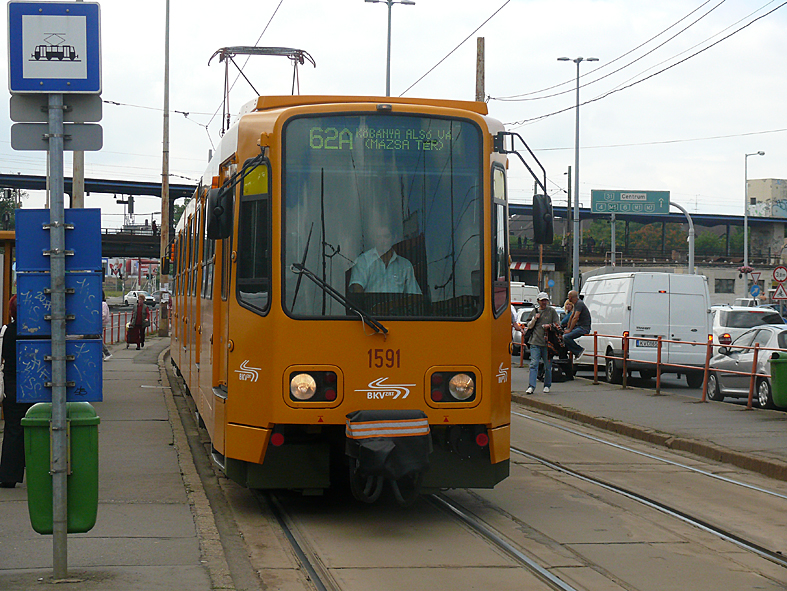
<point>346,256</point>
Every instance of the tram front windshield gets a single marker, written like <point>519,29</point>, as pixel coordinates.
<point>387,211</point>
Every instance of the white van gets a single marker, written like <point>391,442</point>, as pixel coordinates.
<point>523,295</point>
<point>646,306</point>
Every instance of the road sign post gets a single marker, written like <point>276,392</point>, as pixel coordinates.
<point>54,48</point>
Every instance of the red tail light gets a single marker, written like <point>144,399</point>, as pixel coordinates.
<point>277,439</point>
<point>482,439</point>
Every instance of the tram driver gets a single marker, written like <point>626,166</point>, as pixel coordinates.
<point>381,270</point>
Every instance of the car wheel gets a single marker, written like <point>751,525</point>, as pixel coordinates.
<point>613,374</point>
<point>764,398</point>
<point>714,391</point>
<point>694,379</point>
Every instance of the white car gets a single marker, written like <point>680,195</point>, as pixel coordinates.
<point>729,322</point>
<point>132,297</point>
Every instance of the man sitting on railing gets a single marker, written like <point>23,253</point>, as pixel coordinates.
<point>578,326</point>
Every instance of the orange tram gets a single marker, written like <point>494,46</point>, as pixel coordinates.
<point>341,301</point>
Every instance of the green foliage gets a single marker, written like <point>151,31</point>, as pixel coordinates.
<point>10,201</point>
<point>178,211</point>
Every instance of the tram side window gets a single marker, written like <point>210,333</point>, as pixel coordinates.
<point>499,240</point>
<point>208,264</point>
<point>254,257</point>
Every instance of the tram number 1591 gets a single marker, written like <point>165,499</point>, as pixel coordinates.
<point>384,357</point>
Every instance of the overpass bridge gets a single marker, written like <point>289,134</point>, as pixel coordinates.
<point>115,243</point>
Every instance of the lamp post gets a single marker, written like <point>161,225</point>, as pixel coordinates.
<point>390,3</point>
<point>746,212</point>
<point>575,275</point>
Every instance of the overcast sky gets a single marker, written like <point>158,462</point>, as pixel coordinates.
<point>684,130</point>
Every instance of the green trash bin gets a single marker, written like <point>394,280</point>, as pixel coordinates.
<point>779,378</point>
<point>83,476</point>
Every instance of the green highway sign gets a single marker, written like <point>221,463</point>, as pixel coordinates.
<point>645,202</point>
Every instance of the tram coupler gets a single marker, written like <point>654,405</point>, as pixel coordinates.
<point>387,445</point>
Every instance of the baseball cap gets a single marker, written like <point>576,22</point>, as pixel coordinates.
<point>542,296</point>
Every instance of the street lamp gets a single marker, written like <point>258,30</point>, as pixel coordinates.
<point>746,210</point>
<point>390,3</point>
<point>577,61</point>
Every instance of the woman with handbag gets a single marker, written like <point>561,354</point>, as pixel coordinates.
<point>12,460</point>
<point>140,320</point>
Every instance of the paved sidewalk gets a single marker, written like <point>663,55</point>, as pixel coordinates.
<point>154,526</point>
<point>752,439</point>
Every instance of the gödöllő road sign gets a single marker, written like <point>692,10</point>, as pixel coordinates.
<point>642,202</point>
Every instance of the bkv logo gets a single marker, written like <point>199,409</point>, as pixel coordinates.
<point>378,389</point>
<point>246,373</point>
<point>502,374</point>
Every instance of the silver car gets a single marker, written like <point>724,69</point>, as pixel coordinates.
<point>736,358</point>
<point>729,322</point>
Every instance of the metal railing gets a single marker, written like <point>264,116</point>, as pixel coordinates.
<point>115,332</point>
<point>658,365</point>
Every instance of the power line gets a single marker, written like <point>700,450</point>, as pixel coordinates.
<point>455,48</point>
<point>621,88</point>
<point>516,97</point>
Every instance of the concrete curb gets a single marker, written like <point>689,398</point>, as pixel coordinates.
<point>771,468</point>
<point>211,549</point>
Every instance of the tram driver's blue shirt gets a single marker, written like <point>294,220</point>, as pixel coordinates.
<point>371,274</point>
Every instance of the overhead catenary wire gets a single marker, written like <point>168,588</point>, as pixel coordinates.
<point>571,81</point>
<point>516,124</point>
<point>455,48</point>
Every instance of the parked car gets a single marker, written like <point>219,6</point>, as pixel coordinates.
<point>729,322</point>
<point>131,298</point>
<point>157,295</point>
<point>736,358</point>
<point>648,305</point>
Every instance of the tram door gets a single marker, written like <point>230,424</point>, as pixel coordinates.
<point>188,308</point>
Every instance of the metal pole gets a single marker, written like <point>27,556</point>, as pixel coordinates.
<point>163,330</point>
<point>57,268</point>
<point>612,238</point>
<point>691,236</point>
<point>575,270</point>
<point>388,60</point>
<point>745,217</point>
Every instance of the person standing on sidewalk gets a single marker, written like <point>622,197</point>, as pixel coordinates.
<point>578,326</point>
<point>105,318</point>
<point>140,320</point>
<point>543,315</point>
<point>12,460</point>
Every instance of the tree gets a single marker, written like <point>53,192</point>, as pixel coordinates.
<point>10,201</point>
<point>178,210</point>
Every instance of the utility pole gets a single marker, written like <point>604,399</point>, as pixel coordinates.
<point>163,330</point>
<point>480,93</point>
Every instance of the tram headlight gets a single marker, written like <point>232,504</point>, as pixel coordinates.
<point>303,387</point>
<point>461,386</point>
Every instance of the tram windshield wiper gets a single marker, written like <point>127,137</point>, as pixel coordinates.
<point>301,270</point>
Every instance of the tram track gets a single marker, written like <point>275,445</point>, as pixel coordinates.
<point>313,567</point>
<point>497,539</point>
<point>661,507</point>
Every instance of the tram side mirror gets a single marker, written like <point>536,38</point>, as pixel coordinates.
<point>219,211</point>
<point>543,225</point>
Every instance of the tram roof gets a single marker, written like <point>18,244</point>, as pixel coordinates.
<point>265,103</point>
